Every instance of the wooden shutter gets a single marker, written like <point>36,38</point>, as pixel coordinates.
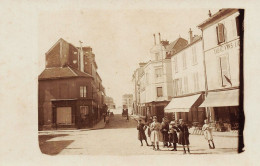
<point>224,70</point>
<point>238,26</point>
<point>220,32</point>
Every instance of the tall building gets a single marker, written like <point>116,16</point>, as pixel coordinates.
<point>69,92</point>
<point>188,82</point>
<point>127,101</point>
<point>221,42</point>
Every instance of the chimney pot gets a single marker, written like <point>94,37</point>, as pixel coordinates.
<point>191,37</point>
<point>209,13</point>
<point>154,39</point>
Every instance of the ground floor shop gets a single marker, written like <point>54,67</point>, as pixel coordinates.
<point>70,113</point>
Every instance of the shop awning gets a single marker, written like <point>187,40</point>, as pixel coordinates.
<point>182,104</point>
<point>222,99</point>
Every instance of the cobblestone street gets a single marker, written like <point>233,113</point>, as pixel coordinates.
<point>120,138</point>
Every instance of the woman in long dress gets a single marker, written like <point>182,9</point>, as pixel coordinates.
<point>207,130</point>
<point>184,136</point>
<point>155,129</point>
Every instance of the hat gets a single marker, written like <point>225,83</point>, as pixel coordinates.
<point>154,117</point>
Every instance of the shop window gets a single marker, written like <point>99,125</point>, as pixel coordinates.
<point>159,92</point>
<point>83,91</point>
<point>220,33</point>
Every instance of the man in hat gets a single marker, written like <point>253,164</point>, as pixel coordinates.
<point>141,132</point>
<point>173,138</point>
<point>155,129</point>
<point>184,136</point>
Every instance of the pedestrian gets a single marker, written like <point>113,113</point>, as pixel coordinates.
<point>127,117</point>
<point>107,119</point>
<point>164,130</point>
<point>104,116</point>
<point>173,138</point>
<point>155,129</point>
<point>150,120</point>
<point>141,132</point>
<point>184,136</point>
<point>207,130</point>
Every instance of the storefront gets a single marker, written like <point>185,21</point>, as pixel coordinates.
<point>223,109</point>
<point>186,108</point>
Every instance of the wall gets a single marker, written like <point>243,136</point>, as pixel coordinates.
<point>230,48</point>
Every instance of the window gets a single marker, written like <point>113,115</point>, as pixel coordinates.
<point>186,90</point>
<point>194,55</point>
<point>158,72</point>
<point>83,91</point>
<point>196,81</point>
<point>220,33</point>
<point>175,64</point>
<point>224,71</point>
<point>184,60</point>
<point>147,78</point>
<point>238,26</point>
<point>84,111</point>
<point>157,56</point>
<point>159,92</point>
<point>177,87</point>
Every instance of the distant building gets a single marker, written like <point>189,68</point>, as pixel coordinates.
<point>70,93</point>
<point>109,101</point>
<point>221,42</point>
<point>127,100</point>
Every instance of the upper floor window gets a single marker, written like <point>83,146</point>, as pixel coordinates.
<point>158,72</point>
<point>184,60</point>
<point>196,81</point>
<point>157,56</point>
<point>177,87</point>
<point>186,88</point>
<point>224,71</point>
<point>194,55</point>
<point>159,92</point>
<point>175,64</point>
<point>220,33</point>
<point>83,91</point>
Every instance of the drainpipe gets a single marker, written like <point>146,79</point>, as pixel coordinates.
<point>206,80</point>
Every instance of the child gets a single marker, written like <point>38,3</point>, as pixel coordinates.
<point>208,134</point>
<point>173,138</point>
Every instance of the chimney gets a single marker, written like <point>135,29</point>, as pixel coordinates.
<point>154,39</point>
<point>159,37</point>
<point>190,32</point>
<point>209,13</point>
<point>81,57</point>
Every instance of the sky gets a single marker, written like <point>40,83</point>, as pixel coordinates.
<point>120,39</point>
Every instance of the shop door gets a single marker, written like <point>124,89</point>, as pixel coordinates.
<point>64,115</point>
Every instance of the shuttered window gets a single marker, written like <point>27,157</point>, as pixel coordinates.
<point>184,60</point>
<point>220,33</point>
<point>186,90</point>
<point>175,64</point>
<point>196,81</point>
<point>158,72</point>
<point>224,71</point>
<point>194,55</point>
<point>238,26</point>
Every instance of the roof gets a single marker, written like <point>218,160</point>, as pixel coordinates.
<point>194,40</point>
<point>62,72</point>
<point>220,14</point>
<point>58,42</point>
<point>173,44</point>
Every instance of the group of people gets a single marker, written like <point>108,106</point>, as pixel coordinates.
<point>169,133</point>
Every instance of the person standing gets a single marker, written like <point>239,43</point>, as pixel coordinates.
<point>173,138</point>
<point>141,132</point>
<point>184,136</point>
<point>155,129</point>
<point>164,130</point>
<point>207,130</point>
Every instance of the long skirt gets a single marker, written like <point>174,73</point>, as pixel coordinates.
<point>173,138</point>
<point>165,136</point>
<point>155,136</point>
<point>141,135</point>
<point>208,135</point>
<point>184,138</point>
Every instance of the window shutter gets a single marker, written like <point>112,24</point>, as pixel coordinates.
<point>221,37</point>
<point>224,70</point>
<point>238,26</point>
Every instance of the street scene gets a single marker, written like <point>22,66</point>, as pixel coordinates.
<point>141,83</point>
<point>119,137</point>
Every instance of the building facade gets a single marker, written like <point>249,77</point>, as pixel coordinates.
<point>188,81</point>
<point>127,102</point>
<point>70,95</point>
<point>109,101</point>
<point>221,42</point>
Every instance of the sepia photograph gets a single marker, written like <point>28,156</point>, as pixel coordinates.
<point>145,82</point>
<point>128,82</point>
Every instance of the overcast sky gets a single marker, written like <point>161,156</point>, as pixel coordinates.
<point>120,38</point>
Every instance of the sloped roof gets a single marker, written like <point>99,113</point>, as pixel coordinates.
<point>61,72</point>
<point>194,40</point>
<point>173,44</point>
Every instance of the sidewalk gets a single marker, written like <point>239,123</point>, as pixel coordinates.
<point>99,125</point>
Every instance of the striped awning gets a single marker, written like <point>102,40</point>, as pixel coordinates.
<point>222,99</point>
<point>181,104</point>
